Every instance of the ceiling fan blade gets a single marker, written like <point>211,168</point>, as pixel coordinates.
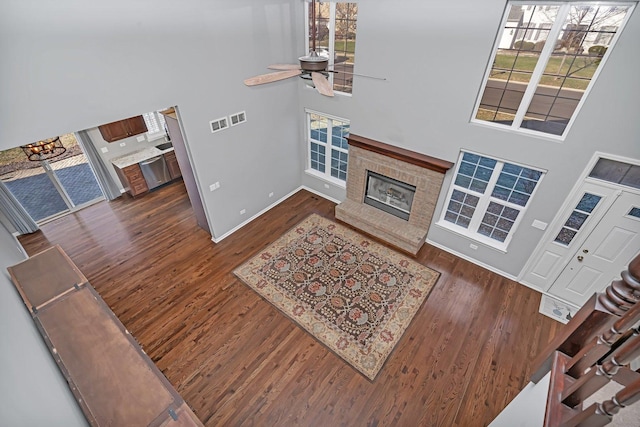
<point>322,84</point>
<point>284,67</point>
<point>271,77</point>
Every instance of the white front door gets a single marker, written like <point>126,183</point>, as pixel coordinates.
<point>583,212</point>
<point>604,254</point>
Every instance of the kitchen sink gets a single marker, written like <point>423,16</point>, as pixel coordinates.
<point>164,146</point>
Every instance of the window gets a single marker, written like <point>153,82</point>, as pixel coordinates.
<point>488,197</point>
<point>336,39</point>
<point>617,172</point>
<point>578,217</point>
<point>328,148</point>
<point>155,125</point>
<point>545,59</point>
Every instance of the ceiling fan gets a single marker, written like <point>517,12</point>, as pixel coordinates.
<point>313,65</point>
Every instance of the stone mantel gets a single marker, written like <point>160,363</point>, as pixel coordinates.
<point>424,172</point>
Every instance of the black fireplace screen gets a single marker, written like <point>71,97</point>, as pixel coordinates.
<point>390,195</point>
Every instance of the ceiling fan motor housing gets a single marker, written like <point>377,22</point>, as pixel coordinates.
<point>313,62</point>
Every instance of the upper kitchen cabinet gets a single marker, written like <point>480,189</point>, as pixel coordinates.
<point>123,129</point>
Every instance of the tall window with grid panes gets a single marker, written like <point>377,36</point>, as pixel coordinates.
<point>328,148</point>
<point>545,60</point>
<point>335,39</point>
<point>488,197</point>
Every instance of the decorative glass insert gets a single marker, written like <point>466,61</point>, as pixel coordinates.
<point>488,197</point>
<point>634,212</point>
<point>545,59</point>
<point>578,217</point>
<point>327,137</point>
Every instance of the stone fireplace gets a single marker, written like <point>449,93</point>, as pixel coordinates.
<point>391,192</point>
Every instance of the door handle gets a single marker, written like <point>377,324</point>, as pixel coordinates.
<point>580,257</point>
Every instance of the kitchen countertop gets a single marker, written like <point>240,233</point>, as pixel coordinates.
<point>138,156</point>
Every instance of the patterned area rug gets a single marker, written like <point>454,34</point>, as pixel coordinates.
<point>354,295</point>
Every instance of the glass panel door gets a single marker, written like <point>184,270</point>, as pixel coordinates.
<point>50,188</point>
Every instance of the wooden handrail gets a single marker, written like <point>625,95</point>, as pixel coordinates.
<point>597,317</point>
<point>592,350</point>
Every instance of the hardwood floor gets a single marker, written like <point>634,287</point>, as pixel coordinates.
<point>237,361</point>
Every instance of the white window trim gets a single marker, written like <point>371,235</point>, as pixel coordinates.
<point>152,136</point>
<point>326,176</point>
<point>332,38</point>
<point>539,69</point>
<point>483,203</point>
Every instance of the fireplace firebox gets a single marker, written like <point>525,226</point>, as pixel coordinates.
<point>390,195</point>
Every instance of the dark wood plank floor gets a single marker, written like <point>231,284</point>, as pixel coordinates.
<point>237,361</point>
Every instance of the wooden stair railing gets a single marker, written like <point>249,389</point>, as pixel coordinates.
<point>594,348</point>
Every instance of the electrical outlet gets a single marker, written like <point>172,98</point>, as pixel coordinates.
<point>104,149</point>
<point>271,194</point>
<point>474,247</point>
<point>243,211</point>
<point>140,138</point>
<point>122,144</point>
<point>327,186</point>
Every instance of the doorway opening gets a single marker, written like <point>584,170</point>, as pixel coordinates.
<point>50,188</point>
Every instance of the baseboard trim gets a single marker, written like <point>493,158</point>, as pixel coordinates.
<point>474,261</point>
<point>317,193</point>
<point>248,220</point>
<point>268,208</point>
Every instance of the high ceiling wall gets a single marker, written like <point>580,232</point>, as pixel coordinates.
<point>433,56</point>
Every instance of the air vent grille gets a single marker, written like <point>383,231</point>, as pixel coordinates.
<point>218,124</point>
<point>237,118</point>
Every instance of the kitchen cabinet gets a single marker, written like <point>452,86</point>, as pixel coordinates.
<point>132,179</point>
<point>172,164</point>
<point>123,129</point>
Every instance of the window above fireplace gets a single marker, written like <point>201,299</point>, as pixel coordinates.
<point>488,198</point>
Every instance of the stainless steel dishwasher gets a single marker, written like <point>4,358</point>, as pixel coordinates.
<point>155,171</point>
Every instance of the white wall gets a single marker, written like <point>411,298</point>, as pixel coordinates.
<point>434,56</point>
<point>33,390</point>
<point>71,65</point>
<point>74,64</point>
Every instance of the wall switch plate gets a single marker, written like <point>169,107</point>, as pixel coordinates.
<point>271,194</point>
<point>104,149</point>
<point>122,144</point>
<point>243,211</point>
<point>140,138</point>
<point>214,186</point>
<point>539,225</point>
